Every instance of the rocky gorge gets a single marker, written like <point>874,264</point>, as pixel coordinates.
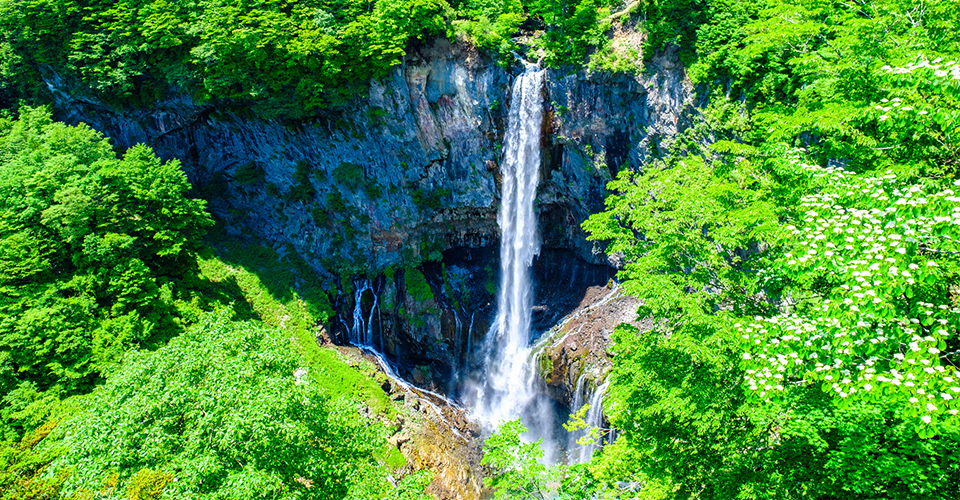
<point>393,202</point>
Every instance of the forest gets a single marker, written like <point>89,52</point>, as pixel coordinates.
<point>796,249</point>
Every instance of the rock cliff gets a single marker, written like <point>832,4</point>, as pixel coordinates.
<point>412,168</point>
<point>393,200</point>
<point>406,180</point>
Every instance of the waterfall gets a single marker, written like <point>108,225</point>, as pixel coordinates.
<point>470,333</point>
<point>457,340</point>
<point>578,392</point>
<point>361,333</point>
<point>508,388</point>
<point>594,418</point>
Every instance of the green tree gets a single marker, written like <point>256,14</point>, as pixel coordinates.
<point>218,413</point>
<point>517,468</point>
<point>24,466</point>
<point>94,250</point>
<point>705,246</point>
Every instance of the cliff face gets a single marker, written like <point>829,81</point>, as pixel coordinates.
<point>409,176</point>
<point>413,168</point>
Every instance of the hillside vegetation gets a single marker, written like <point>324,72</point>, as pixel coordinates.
<point>137,362</point>
<point>283,57</point>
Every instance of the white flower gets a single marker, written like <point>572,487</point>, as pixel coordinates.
<point>926,419</point>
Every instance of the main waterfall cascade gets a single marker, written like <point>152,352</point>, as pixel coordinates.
<point>507,388</point>
<point>500,381</point>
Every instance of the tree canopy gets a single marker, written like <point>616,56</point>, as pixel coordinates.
<point>796,250</point>
<point>219,413</point>
<point>95,248</point>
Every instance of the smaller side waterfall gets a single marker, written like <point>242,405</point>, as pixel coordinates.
<point>361,332</point>
<point>578,392</point>
<point>470,334</point>
<point>594,418</point>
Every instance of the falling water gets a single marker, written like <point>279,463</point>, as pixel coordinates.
<point>594,418</point>
<point>507,390</point>
<point>361,333</point>
<point>458,340</point>
<point>470,333</point>
<point>578,391</point>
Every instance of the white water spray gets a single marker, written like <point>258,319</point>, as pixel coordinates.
<point>508,388</point>
<point>594,418</point>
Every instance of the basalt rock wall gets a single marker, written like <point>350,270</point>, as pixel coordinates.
<point>411,169</point>
<point>408,176</point>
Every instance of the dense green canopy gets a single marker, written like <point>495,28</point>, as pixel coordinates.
<point>94,249</point>
<point>99,270</point>
<point>282,57</point>
<point>218,413</point>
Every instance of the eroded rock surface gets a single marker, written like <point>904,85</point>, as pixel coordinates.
<point>579,345</point>
<point>411,169</point>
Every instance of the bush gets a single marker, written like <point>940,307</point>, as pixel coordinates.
<point>416,284</point>
<point>350,175</point>
<point>249,173</point>
<point>219,410</point>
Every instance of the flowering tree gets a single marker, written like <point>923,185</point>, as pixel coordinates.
<point>875,315</point>
<point>870,262</point>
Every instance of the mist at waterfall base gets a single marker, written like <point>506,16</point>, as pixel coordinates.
<point>499,380</point>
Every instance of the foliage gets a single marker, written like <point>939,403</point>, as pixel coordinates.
<point>249,174</point>
<point>415,284</point>
<point>220,410</point>
<point>23,467</point>
<point>432,200</point>
<point>63,191</point>
<point>302,190</point>
<point>284,293</point>
<point>574,28</point>
<point>518,472</point>
<point>350,175</point>
<point>278,58</point>
<point>804,315</point>
<point>578,422</point>
<point>879,312</point>
<point>704,248</point>
<point>489,24</point>
<point>280,54</point>
<point>679,23</point>
<point>95,252</point>
<point>813,72</point>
